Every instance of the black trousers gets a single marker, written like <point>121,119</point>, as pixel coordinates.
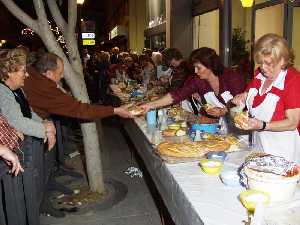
<point>20,196</point>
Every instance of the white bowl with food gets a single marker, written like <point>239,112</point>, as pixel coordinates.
<point>280,188</point>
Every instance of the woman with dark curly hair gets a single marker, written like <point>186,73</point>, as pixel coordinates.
<point>213,84</point>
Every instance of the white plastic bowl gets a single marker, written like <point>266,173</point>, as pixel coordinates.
<point>278,187</point>
<point>230,178</point>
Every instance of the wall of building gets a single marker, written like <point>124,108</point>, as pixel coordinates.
<point>269,20</point>
<point>248,24</point>
<point>180,25</point>
<point>238,14</point>
<point>137,24</point>
<point>208,30</point>
<point>296,36</point>
<point>241,18</point>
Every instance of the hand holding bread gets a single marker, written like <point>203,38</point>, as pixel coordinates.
<point>241,120</point>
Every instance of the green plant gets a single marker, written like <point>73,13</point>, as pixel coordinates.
<point>239,45</point>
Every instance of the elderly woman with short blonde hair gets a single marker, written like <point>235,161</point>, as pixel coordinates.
<point>13,103</point>
<point>273,99</point>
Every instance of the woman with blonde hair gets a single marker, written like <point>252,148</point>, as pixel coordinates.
<point>13,103</point>
<point>273,100</point>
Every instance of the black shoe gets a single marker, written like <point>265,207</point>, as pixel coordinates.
<point>48,210</point>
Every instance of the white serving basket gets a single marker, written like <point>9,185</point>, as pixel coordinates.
<point>279,188</point>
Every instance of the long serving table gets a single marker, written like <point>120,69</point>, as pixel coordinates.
<point>194,198</point>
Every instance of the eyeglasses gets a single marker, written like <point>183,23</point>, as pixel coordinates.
<point>266,62</point>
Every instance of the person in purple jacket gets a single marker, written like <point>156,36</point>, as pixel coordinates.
<point>212,83</point>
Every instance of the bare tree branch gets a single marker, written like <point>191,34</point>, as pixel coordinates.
<point>72,15</point>
<point>73,75</point>
<point>71,41</point>
<point>46,34</point>
<point>55,12</point>
<point>40,9</point>
<point>21,15</point>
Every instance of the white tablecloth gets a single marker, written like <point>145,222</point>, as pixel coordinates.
<point>193,197</point>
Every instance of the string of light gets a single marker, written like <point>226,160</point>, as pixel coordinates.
<point>58,35</point>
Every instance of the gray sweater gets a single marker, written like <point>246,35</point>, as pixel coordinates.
<point>11,110</point>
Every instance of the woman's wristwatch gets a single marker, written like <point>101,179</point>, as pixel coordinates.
<point>263,125</point>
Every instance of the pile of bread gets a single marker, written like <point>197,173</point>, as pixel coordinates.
<point>176,129</point>
<point>136,110</point>
<point>197,149</point>
<point>240,119</point>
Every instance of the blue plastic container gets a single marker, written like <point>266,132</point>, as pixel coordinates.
<point>208,128</point>
<point>151,118</point>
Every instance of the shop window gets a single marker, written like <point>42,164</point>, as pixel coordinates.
<point>156,12</point>
<point>241,36</point>
<point>241,18</point>
<point>147,42</point>
<point>269,20</point>
<point>206,30</point>
<point>158,41</point>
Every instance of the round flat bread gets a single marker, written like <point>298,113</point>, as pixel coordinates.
<point>136,110</point>
<point>169,133</point>
<point>191,149</point>
<point>240,119</point>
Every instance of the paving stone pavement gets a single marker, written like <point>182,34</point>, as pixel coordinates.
<point>137,208</point>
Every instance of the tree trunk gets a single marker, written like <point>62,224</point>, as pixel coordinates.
<point>73,72</point>
<point>93,156</point>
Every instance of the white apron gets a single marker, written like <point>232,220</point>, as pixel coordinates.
<point>284,143</point>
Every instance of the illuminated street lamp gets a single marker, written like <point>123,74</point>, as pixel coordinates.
<point>247,3</point>
<point>80,2</point>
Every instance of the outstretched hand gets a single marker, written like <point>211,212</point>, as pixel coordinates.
<point>145,107</point>
<point>123,111</point>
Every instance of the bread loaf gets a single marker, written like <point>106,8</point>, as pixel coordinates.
<point>241,119</point>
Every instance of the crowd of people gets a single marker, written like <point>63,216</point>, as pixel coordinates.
<point>270,97</point>
<point>168,66</point>
<point>30,93</point>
